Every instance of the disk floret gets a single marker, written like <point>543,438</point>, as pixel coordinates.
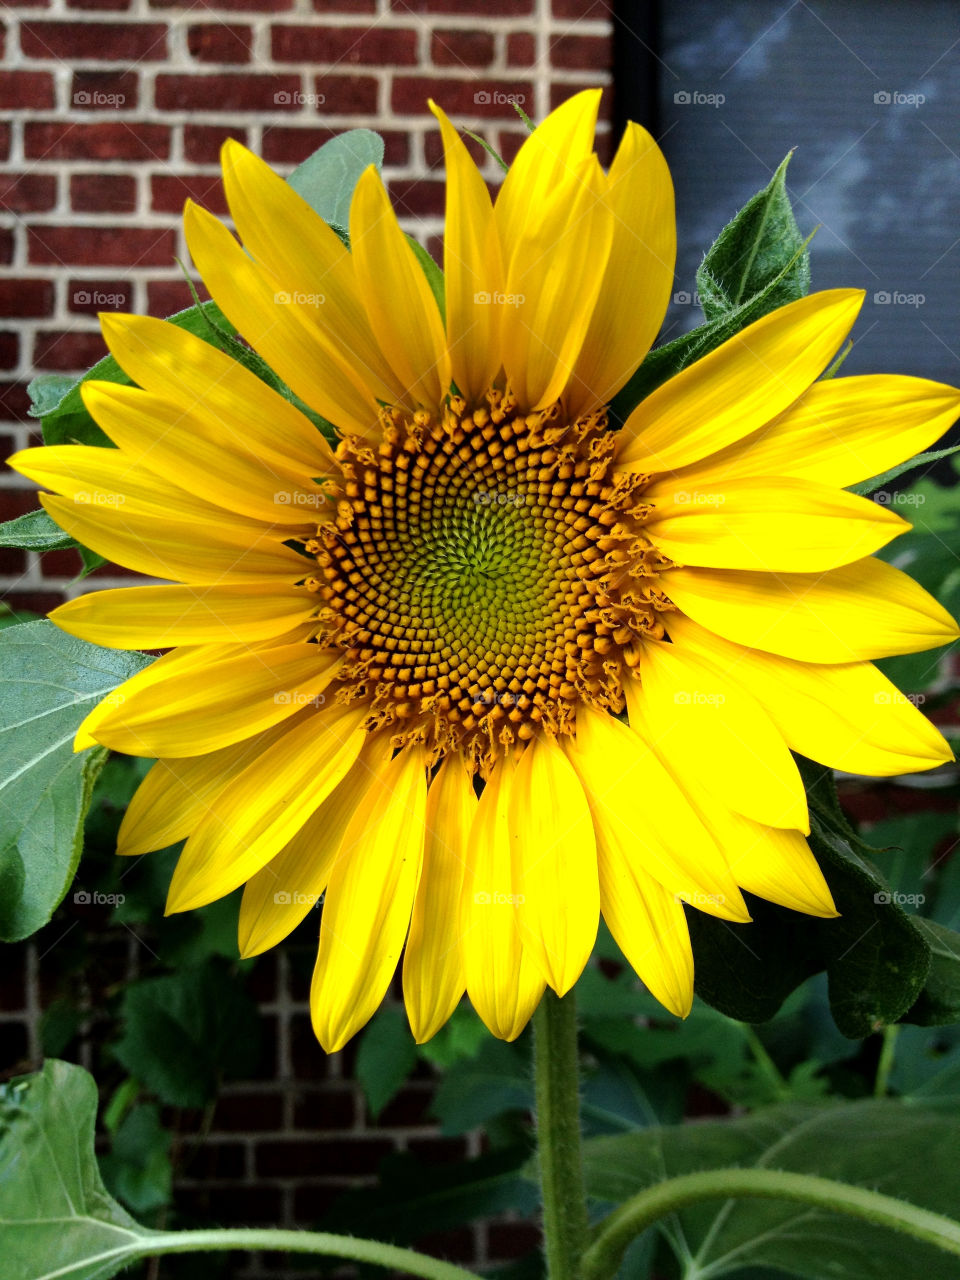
<point>486,571</point>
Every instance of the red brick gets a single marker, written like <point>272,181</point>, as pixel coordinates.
<point>489,8</point>
<point>8,445</point>
<point>294,1158</point>
<point>168,193</point>
<point>326,1109</point>
<point>6,245</point>
<point>479,97</point>
<point>435,248</point>
<point>228,93</point>
<point>346,95</point>
<point>202,142</point>
<point>14,403</point>
<point>98,4</point>
<point>9,350</point>
<point>581,53</point>
<point>521,49</point>
<point>509,142</point>
<point>167,297</point>
<point>461,48</point>
<point>561,90</point>
<point>417,196</point>
<point>581,10</point>
<point>26,192</point>
<point>25,299</point>
<point>30,602</point>
<point>101,246</point>
<point>26,90</point>
<point>246,6</point>
<point>87,297</point>
<point>410,1108</point>
<point>3,41</point>
<point>283,144</point>
<point>377,46</point>
<point>103,192</point>
<point>433,150</point>
<point>345,6</point>
<point>60,140</point>
<point>66,350</point>
<point>256,1206</point>
<point>512,1239</point>
<point>219,42</point>
<point>456,1244</point>
<point>61,564</point>
<point>104,90</point>
<point>4,141</point>
<point>97,41</point>
<point>249,1112</point>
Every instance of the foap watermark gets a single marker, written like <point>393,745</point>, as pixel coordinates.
<point>286,698</point>
<point>497,98</point>
<point>698,498</point>
<point>298,299</point>
<point>684,298</point>
<point>892,897</point>
<point>87,898</point>
<point>888,499</point>
<point>498,899</point>
<point>894,298</point>
<point>499,299</point>
<point>97,98</point>
<point>698,698</point>
<point>497,498</point>
<point>697,98</point>
<point>294,98</point>
<point>701,900</point>
<point>894,698</point>
<point>98,498</point>
<point>894,98</point>
<point>97,298</point>
<point>297,899</point>
<point>496,697</point>
<point>298,498</point>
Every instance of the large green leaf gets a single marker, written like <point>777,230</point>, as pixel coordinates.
<point>56,1218</point>
<point>327,178</point>
<point>386,1057</point>
<point>48,683</point>
<point>182,1031</point>
<point>875,957</point>
<point>34,531</point>
<point>907,1152</point>
<point>758,262</point>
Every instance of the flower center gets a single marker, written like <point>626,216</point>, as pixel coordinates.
<point>485,573</point>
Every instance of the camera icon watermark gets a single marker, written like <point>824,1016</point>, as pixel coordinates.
<point>83,898</point>
<point>96,98</point>
<point>698,698</point>
<point>892,898</point>
<point>893,98</point>
<point>286,698</point>
<point>97,498</point>
<point>497,98</point>
<point>887,499</point>
<point>84,298</point>
<point>698,498</point>
<point>894,298</point>
<point>298,498</point>
<point>684,298</point>
<point>484,299</point>
<point>498,899</point>
<point>294,98</point>
<point>297,899</point>
<point>696,98</point>
<point>893,698</point>
<point>299,299</point>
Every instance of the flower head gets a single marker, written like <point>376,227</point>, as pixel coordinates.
<point>488,668</point>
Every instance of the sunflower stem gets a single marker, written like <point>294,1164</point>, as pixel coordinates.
<point>557,1090</point>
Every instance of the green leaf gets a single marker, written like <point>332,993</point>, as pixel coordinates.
<point>67,421</point>
<point>49,683</point>
<point>473,1091</point>
<point>327,178</point>
<point>907,1152</point>
<point>386,1057</point>
<point>46,391</point>
<point>34,531</point>
<point>875,958</point>
<point>758,262</point>
<point>866,487</point>
<point>206,1023</point>
<point>54,1209</point>
<point>762,245</point>
<point>137,1170</point>
<point>939,1001</point>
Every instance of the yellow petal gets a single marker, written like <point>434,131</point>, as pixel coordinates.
<point>847,716</point>
<point>555,268</point>
<point>774,525</point>
<point>283,892</point>
<point>638,277</point>
<point>161,438</point>
<point>307,257</point>
<point>741,385</point>
<point>554,864</point>
<point>472,270</point>
<point>210,705</point>
<point>160,617</point>
<point>863,610</point>
<point>264,807</point>
<point>503,982</point>
<point>704,721</point>
<point>369,901</point>
<point>648,924</point>
<point>839,432</point>
<point>403,313</point>
<point>165,359</point>
<point>640,810</point>
<point>433,978</point>
<point>275,326</point>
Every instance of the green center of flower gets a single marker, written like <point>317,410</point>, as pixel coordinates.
<point>484,574</point>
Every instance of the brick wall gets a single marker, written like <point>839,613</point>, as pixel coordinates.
<point>115,111</point>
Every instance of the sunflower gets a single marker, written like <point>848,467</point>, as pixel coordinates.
<point>489,669</point>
